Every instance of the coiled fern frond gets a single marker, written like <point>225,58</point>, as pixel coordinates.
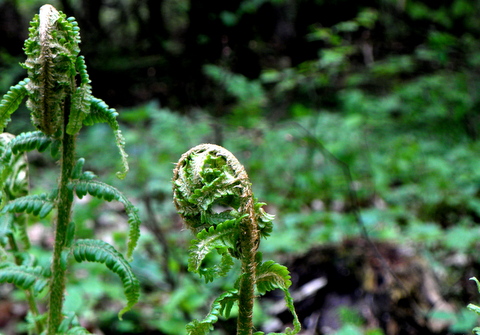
<point>55,96</point>
<point>213,195</point>
<point>208,178</point>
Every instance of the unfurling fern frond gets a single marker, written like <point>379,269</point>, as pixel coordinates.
<point>24,277</point>
<point>102,252</point>
<point>213,195</point>
<point>51,49</point>
<point>10,102</point>
<point>37,204</point>
<point>208,177</point>
<point>104,191</point>
<point>270,276</point>
<point>99,113</point>
<point>220,306</point>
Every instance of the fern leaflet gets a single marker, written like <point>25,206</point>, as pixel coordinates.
<point>107,192</point>
<point>271,275</point>
<point>220,306</point>
<point>10,102</point>
<point>34,140</point>
<point>24,277</point>
<point>81,99</point>
<point>100,112</point>
<point>102,252</point>
<point>221,236</point>
<point>38,204</point>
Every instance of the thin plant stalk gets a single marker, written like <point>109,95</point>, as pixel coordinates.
<point>65,201</point>
<point>249,245</point>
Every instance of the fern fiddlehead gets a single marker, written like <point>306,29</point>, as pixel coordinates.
<point>59,96</point>
<point>52,50</point>
<point>213,194</point>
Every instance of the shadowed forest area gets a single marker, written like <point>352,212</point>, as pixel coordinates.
<point>357,122</point>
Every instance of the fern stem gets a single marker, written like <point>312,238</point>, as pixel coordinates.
<point>65,200</point>
<point>248,244</point>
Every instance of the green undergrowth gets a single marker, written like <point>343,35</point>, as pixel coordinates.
<point>412,186</point>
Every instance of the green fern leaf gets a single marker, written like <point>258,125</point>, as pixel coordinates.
<point>10,102</point>
<point>104,191</point>
<point>218,270</point>
<point>271,275</point>
<point>100,112</point>
<point>25,142</point>
<point>24,277</point>
<point>220,306</point>
<point>265,220</point>
<point>102,252</point>
<point>40,205</point>
<point>296,323</point>
<point>222,236</point>
<point>13,170</point>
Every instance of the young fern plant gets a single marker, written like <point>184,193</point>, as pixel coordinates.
<point>58,94</point>
<point>208,178</point>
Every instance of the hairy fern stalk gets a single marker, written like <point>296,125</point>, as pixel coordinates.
<point>213,195</point>
<point>58,94</point>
